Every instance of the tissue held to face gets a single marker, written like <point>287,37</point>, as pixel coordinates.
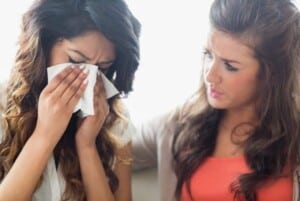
<point>92,48</point>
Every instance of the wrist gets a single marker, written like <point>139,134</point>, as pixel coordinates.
<point>39,140</point>
<point>51,136</point>
<point>86,150</point>
<point>82,143</point>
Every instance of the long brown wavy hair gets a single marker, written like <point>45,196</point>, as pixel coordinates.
<point>272,29</point>
<point>45,23</point>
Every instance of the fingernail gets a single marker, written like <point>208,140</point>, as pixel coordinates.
<point>86,71</point>
<point>76,65</point>
<point>82,66</point>
<point>85,81</point>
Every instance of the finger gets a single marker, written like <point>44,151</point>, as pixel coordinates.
<point>100,102</point>
<point>67,82</point>
<point>96,90</point>
<point>99,93</point>
<point>101,106</point>
<point>58,79</point>
<point>100,86</point>
<point>77,95</point>
<point>74,86</point>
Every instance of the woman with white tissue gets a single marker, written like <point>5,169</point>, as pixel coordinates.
<point>47,153</point>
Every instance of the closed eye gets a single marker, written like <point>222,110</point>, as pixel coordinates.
<point>71,60</point>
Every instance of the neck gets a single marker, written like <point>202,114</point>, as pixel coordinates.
<point>232,118</point>
<point>234,128</point>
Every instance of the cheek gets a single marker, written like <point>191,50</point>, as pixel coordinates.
<point>244,89</point>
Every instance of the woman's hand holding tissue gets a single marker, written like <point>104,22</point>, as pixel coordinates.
<point>57,101</point>
<point>90,126</point>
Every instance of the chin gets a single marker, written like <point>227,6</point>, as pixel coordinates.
<point>217,105</point>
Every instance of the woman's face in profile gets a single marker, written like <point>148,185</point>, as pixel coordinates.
<point>230,72</point>
<point>92,48</point>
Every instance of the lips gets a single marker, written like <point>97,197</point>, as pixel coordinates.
<point>215,93</point>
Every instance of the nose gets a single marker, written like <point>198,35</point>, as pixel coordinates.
<point>212,73</point>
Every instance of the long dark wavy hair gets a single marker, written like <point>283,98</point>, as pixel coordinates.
<point>271,28</point>
<point>45,23</point>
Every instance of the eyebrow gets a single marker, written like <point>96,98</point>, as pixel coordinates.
<point>88,59</point>
<point>223,59</point>
<point>81,54</point>
<point>230,61</point>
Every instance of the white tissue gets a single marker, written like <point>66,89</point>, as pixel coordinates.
<point>85,104</point>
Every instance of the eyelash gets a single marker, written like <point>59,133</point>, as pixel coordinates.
<point>75,62</point>
<point>80,62</point>
<point>228,66</point>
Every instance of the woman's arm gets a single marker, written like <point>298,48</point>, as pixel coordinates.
<point>21,180</point>
<point>144,145</point>
<point>146,141</point>
<point>93,175</point>
<point>123,171</point>
<point>55,107</point>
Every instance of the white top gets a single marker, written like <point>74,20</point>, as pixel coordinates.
<point>53,183</point>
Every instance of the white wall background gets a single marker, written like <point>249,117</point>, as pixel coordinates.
<point>173,34</point>
<point>10,19</point>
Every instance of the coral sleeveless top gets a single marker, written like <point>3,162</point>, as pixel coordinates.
<point>212,180</point>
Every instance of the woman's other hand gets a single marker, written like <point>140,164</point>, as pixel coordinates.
<point>90,126</point>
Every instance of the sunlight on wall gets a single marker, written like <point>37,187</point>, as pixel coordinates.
<point>173,33</point>
<point>10,19</point>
